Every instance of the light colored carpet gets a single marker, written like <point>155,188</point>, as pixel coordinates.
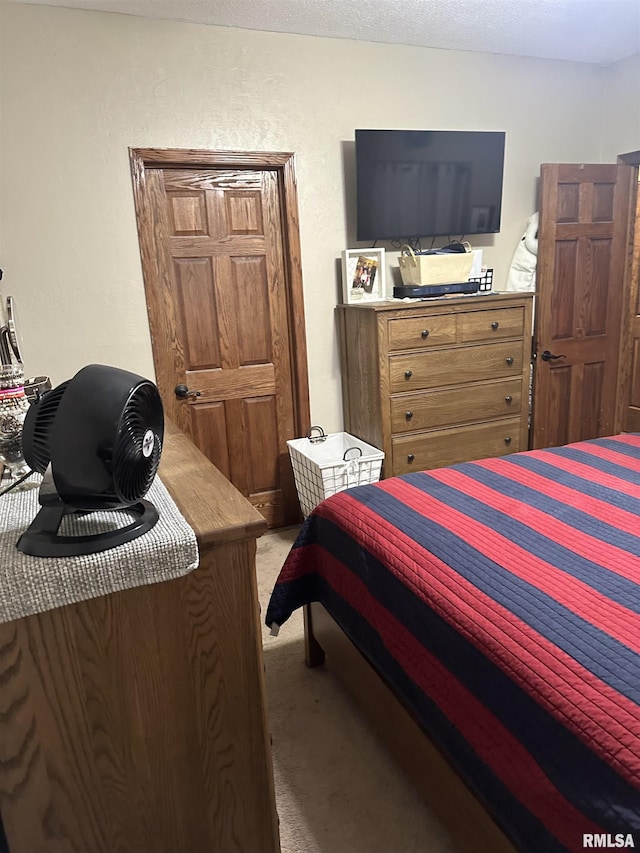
<point>337,788</point>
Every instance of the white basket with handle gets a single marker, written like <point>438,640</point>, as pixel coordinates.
<point>326,464</point>
<point>422,270</point>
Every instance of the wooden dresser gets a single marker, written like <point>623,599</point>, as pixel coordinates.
<point>437,382</point>
<point>136,721</point>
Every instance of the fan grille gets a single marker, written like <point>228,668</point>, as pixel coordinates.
<point>37,438</point>
<point>138,445</point>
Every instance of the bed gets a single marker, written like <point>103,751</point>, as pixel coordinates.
<point>498,603</point>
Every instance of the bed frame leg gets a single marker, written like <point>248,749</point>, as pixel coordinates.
<point>313,651</point>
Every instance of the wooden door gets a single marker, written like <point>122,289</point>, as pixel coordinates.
<point>220,255</point>
<point>582,246</point>
<point>631,359</point>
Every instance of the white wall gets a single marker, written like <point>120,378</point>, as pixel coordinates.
<point>621,108</point>
<point>79,88</point>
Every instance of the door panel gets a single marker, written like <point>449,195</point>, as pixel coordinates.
<point>224,323</point>
<point>580,285</point>
<point>631,368</point>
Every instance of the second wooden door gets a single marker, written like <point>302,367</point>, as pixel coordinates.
<point>584,217</point>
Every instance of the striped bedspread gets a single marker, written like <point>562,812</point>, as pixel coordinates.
<point>501,599</point>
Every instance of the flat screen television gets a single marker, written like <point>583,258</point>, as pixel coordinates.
<point>428,183</point>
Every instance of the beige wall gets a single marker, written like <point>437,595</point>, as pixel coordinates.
<point>79,88</point>
<point>621,108</point>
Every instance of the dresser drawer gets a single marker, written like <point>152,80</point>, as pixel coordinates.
<point>417,332</point>
<point>419,451</point>
<point>491,325</point>
<point>466,404</point>
<point>414,371</point>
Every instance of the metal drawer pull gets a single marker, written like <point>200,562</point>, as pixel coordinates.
<point>425,333</point>
<point>410,457</point>
<point>508,399</point>
<point>408,374</point>
<point>408,415</point>
<point>495,325</point>
<point>509,360</point>
<point>507,440</point>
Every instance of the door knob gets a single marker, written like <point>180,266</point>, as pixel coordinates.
<point>549,356</point>
<point>181,391</point>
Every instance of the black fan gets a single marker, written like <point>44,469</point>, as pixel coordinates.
<point>97,439</point>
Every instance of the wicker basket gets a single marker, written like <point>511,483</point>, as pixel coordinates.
<point>434,269</point>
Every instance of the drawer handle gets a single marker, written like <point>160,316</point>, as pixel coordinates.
<point>495,325</point>
<point>509,360</point>
<point>424,333</point>
<point>408,374</point>
<point>408,415</point>
<point>410,457</point>
<point>507,440</point>
<point>508,399</point>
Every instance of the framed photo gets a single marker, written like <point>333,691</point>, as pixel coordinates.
<point>363,275</point>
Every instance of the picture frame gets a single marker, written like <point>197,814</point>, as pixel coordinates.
<point>363,275</point>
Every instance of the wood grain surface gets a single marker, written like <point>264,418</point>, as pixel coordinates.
<point>438,382</point>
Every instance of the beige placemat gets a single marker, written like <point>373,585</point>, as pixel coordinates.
<point>34,584</point>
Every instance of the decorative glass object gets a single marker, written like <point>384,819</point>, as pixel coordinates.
<point>13,409</point>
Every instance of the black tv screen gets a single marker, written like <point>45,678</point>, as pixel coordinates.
<point>428,183</point>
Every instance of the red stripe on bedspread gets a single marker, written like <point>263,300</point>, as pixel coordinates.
<point>610,616</point>
<point>494,743</point>
<point>596,713</point>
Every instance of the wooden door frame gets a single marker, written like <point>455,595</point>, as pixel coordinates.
<point>283,163</point>
<point>631,284</point>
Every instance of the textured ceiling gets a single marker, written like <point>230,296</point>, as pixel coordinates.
<point>597,31</point>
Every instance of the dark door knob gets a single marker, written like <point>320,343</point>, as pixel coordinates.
<point>549,356</point>
<point>181,391</point>
<point>408,374</point>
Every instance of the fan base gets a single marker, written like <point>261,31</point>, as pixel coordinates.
<point>41,538</point>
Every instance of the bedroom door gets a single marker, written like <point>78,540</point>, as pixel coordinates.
<point>584,220</point>
<point>220,256</point>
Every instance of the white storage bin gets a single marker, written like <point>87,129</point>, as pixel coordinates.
<point>326,464</point>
